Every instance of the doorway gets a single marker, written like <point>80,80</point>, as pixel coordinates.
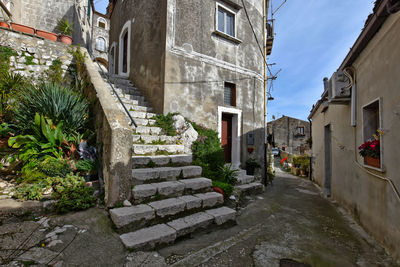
<point>226,136</point>
<point>328,160</point>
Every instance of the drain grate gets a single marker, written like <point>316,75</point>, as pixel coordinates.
<point>291,263</point>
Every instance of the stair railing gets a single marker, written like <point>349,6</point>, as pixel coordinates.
<point>115,93</point>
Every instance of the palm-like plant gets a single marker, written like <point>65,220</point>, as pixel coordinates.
<point>227,174</point>
<point>53,101</point>
<point>65,27</point>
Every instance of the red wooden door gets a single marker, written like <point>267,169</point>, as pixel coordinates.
<point>226,137</point>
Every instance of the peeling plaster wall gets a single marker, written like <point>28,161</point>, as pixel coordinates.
<point>371,199</point>
<point>147,45</point>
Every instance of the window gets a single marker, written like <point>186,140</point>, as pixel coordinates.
<point>101,44</point>
<point>371,126</point>
<point>226,21</point>
<point>230,94</point>
<point>300,130</point>
<point>101,23</point>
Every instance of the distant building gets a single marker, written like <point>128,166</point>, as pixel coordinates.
<point>289,134</point>
<point>351,111</point>
<point>101,28</point>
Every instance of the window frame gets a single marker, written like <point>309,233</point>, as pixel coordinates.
<point>233,86</point>
<point>102,20</point>
<point>301,132</point>
<point>105,44</point>
<point>230,10</point>
<point>380,127</point>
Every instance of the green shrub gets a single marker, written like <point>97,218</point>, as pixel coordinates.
<point>166,123</point>
<point>29,192</point>
<point>53,101</point>
<point>65,27</point>
<point>6,130</point>
<point>252,163</point>
<point>207,151</point>
<point>54,167</point>
<point>72,194</point>
<point>5,54</point>
<point>86,165</point>
<point>10,83</point>
<point>55,72</point>
<point>227,188</point>
<point>227,175</point>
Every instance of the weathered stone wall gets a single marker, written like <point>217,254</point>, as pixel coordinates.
<point>285,132</point>
<point>147,45</point>
<point>361,189</point>
<point>103,33</point>
<point>35,54</point>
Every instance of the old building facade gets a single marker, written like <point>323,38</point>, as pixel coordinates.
<point>101,27</point>
<point>199,58</point>
<point>290,134</point>
<point>371,193</point>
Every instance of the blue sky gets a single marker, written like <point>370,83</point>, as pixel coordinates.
<point>312,39</point>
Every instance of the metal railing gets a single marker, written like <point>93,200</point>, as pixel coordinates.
<point>119,98</point>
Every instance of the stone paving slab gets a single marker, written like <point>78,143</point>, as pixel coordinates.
<point>222,215</point>
<point>196,183</point>
<point>167,207</point>
<point>191,223</point>
<point>149,237</point>
<point>210,199</point>
<point>127,215</point>
<point>191,171</point>
<point>192,202</point>
<point>143,191</point>
<point>170,188</point>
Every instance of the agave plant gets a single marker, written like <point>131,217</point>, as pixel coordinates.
<point>54,102</point>
<point>227,174</point>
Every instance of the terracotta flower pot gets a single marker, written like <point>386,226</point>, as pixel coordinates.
<point>373,162</point>
<point>22,28</point>
<point>47,35</point>
<point>65,39</point>
<point>4,24</point>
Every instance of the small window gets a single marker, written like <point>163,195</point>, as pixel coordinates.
<point>101,23</point>
<point>300,130</point>
<point>226,21</point>
<point>230,94</point>
<point>101,44</point>
<point>372,126</point>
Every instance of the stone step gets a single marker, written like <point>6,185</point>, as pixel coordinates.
<point>141,161</point>
<point>148,192</point>
<point>142,115</point>
<point>144,122</point>
<point>152,139</point>
<point>254,188</point>
<point>144,130</point>
<point>143,107</point>
<point>163,234</point>
<point>120,81</point>
<point>149,175</point>
<point>139,149</point>
<point>245,179</point>
<point>138,216</point>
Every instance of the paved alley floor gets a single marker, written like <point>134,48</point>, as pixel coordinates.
<point>291,220</point>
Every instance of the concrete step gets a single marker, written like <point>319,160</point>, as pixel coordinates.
<point>163,234</point>
<point>147,192</point>
<point>254,188</point>
<point>142,115</point>
<point>139,149</point>
<point>245,179</point>
<point>138,216</point>
<point>144,130</point>
<point>141,161</point>
<point>152,139</point>
<point>160,174</point>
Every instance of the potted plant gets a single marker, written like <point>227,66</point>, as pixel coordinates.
<point>370,150</point>
<point>251,165</point>
<point>66,29</point>
<point>47,35</point>
<point>22,28</point>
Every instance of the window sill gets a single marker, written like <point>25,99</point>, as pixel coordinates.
<point>228,37</point>
<point>382,170</point>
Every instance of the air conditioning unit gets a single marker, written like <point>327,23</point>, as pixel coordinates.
<point>338,88</point>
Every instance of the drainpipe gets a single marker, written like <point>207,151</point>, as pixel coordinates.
<point>310,173</point>
<point>265,14</point>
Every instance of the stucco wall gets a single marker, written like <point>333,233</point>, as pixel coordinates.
<point>147,45</point>
<point>371,199</point>
<point>285,132</point>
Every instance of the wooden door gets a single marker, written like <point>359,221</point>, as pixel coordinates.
<point>125,54</point>
<point>226,137</point>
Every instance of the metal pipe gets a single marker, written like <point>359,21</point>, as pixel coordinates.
<point>265,14</point>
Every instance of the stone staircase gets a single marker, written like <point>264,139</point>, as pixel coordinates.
<point>246,185</point>
<point>170,199</point>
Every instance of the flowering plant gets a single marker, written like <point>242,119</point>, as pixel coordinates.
<point>370,148</point>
